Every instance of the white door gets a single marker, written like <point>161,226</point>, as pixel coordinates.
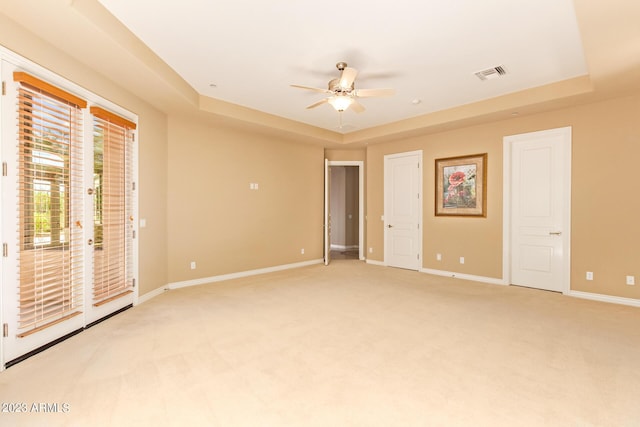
<point>68,252</point>
<point>327,212</point>
<point>402,210</point>
<point>110,204</point>
<point>42,218</point>
<point>540,209</point>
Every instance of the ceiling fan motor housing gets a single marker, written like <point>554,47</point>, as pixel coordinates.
<point>334,86</point>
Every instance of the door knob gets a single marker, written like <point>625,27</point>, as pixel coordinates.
<point>389,226</point>
<point>555,233</point>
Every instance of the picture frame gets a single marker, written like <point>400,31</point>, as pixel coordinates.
<point>461,186</point>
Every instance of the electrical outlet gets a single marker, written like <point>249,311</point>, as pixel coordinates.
<point>631,280</point>
<point>589,275</point>
<point>302,251</point>
<point>193,265</point>
<point>461,260</point>
<point>370,250</point>
<point>438,257</point>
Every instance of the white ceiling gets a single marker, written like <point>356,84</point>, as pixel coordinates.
<point>253,50</point>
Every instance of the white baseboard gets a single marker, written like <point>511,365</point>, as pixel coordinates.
<point>146,297</point>
<point>205,280</point>
<point>463,276</point>
<point>175,285</point>
<point>335,247</point>
<point>605,298</point>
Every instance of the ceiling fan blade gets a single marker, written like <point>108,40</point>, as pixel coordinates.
<point>319,103</point>
<point>347,77</point>
<point>315,89</point>
<point>364,93</point>
<point>357,107</point>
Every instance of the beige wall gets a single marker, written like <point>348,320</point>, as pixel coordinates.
<point>442,234</point>
<point>214,217</point>
<point>152,135</point>
<point>195,197</point>
<point>346,155</point>
<point>605,204</point>
<point>152,138</point>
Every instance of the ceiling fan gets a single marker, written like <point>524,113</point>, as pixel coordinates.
<point>343,93</point>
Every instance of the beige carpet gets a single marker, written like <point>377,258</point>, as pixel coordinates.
<point>346,345</point>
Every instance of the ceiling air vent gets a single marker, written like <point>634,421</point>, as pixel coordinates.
<point>491,73</point>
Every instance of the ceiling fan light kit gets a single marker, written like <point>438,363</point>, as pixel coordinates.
<point>342,91</point>
<point>341,102</point>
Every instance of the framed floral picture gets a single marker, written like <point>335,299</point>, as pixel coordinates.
<point>461,186</point>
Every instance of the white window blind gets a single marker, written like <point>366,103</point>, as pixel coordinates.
<point>113,206</point>
<point>50,213</point>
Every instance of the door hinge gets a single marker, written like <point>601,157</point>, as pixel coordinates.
<point>4,168</point>
<point>133,186</point>
<point>5,250</point>
<point>5,330</point>
<point>4,88</point>
<point>133,283</point>
<point>418,256</point>
<point>133,234</point>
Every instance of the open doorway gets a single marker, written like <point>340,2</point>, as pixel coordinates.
<point>346,210</point>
